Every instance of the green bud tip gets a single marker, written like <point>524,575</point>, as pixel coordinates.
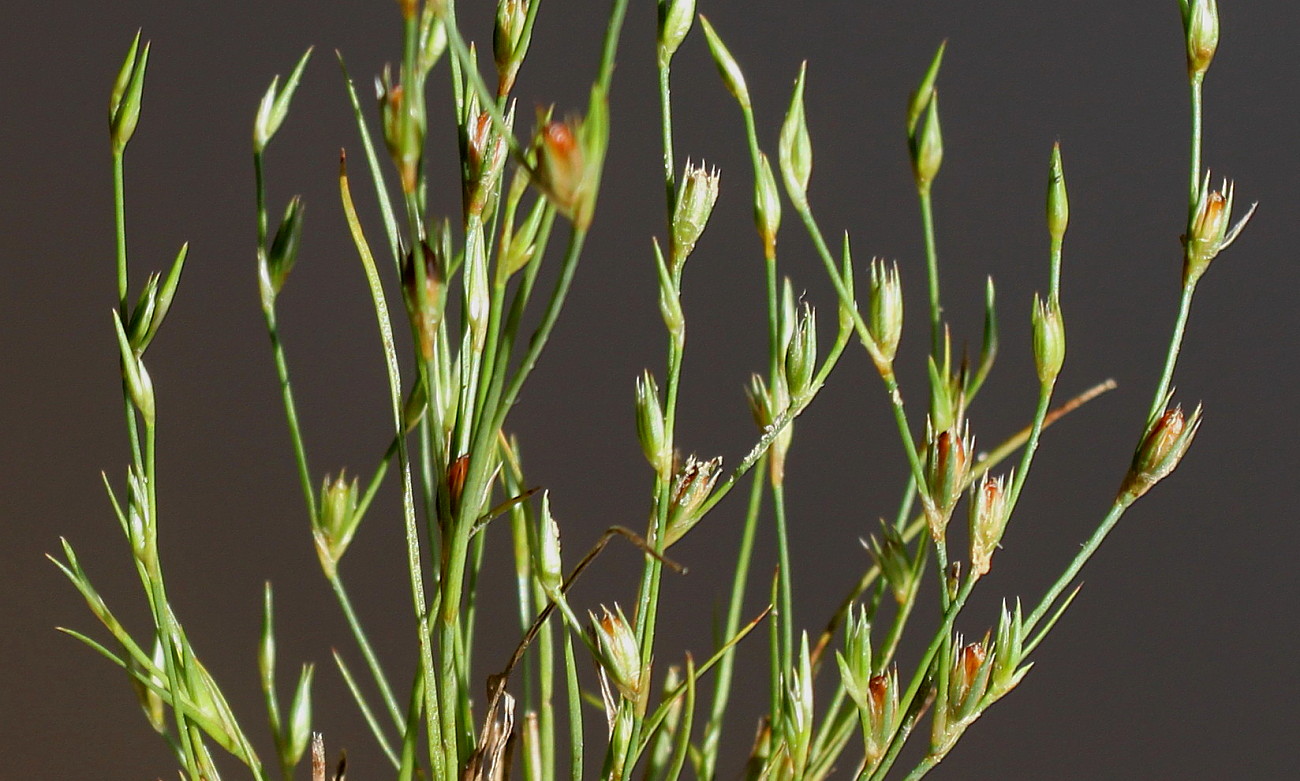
<point>1058,203</point>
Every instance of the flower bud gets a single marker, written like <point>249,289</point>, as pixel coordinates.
<point>927,146</point>
<point>433,39</point>
<point>767,406</point>
<point>1208,233</point>
<point>566,170</point>
<point>988,519</point>
<point>618,653</point>
<point>855,661</point>
<point>1201,26</point>
<point>1058,202</point>
<point>478,297</point>
<point>404,127</point>
<point>885,312</point>
<point>896,565</point>
<point>275,105</point>
<point>547,562</point>
<point>124,103</point>
<point>925,141</point>
<point>875,695</point>
<point>731,74</point>
<point>297,729</point>
<point>485,159</point>
<point>155,301</point>
<point>650,426</point>
<point>337,521</point>
<point>767,206</point>
<point>947,388</point>
<point>675,19</point>
<point>283,252</point>
<point>1163,446</point>
<point>266,649</point>
<point>138,384</point>
<point>1049,338</point>
<point>798,715</point>
<point>695,199</point>
<point>969,678</point>
<point>1008,652</point>
<point>425,306</point>
<point>947,463</point>
<point>670,300</point>
<point>508,33</point>
<point>796,147</point>
<point>801,355</point>
<point>690,489</point>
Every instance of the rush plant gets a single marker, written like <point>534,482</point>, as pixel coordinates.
<point>479,318</point>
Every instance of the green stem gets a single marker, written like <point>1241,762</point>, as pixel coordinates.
<point>711,742</point>
<point>932,273</point>
<point>1090,547</point>
<point>367,651</point>
<point>1175,346</point>
<point>1197,81</point>
<point>786,616</point>
<point>123,290</point>
<point>161,609</point>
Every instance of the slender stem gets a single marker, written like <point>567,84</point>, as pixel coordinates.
<point>575,708</point>
<point>1197,82</point>
<point>123,290</point>
<point>291,413</point>
<point>786,617</point>
<point>711,742</point>
<point>119,220</point>
<point>1090,547</point>
<point>932,273</point>
<point>367,651</point>
<point>172,654</point>
<point>666,117</point>
<point>1175,346</point>
<point>928,763</point>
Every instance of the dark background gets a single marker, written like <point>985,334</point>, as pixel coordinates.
<point>1175,662</point>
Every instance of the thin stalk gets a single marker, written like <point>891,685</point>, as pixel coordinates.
<point>712,739</point>
<point>1090,547</point>
<point>1175,346</point>
<point>786,591</point>
<point>575,708</point>
<point>1197,82</point>
<point>932,272</point>
<point>367,651</point>
<point>162,610</point>
<point>123,289</point>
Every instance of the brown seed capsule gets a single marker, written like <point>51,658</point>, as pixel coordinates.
<point>1163,446</point>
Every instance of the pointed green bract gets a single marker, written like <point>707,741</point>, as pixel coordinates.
<point>274,107</point>
<point>795,146</point>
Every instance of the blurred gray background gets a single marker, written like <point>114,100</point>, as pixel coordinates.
<point>1176,660</point>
